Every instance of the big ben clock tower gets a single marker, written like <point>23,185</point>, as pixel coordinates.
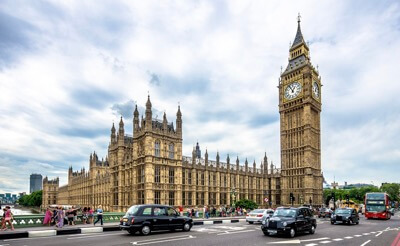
<point>300,110</point>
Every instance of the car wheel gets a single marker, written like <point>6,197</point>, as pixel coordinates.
<point>132,232</point>
<point>145,230</point>
<point>250,222</point>
<point>266,233</point>
<point>332,222</point>
<point>292,232</point>
<point>357,222</point>
<point>312,230</point>
<point>186,227</point>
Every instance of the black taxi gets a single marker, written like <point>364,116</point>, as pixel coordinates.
<point>289,221</point>
<point>147,218</point>
<point>345,216</point>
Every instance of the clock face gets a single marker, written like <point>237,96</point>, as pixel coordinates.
<point>315,89</point>
<point>292,90</point>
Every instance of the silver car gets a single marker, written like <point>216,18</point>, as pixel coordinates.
<point>258,215</point>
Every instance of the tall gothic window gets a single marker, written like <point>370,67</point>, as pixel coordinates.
<point>140,197</point>
<point>157,172</point>
<point>171,176</point>
<point>171,198</point>
<point>157,197</point>
<point>171,152</point>
<point>183,176</point>
<point>140,174</point>
<point>202,179</point>
<point>189,177</point>
<point>157,148</point>
<point>190,198</point>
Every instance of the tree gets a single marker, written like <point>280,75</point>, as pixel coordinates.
<point>32,200</point>
<point>247,204</point>
<point>393,190</point>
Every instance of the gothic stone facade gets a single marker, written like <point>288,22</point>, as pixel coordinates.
<point>148,166</point>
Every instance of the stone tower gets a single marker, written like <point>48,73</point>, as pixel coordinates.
<point>300,109</point>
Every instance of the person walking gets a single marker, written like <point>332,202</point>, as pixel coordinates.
<point>70,216</point>
<point>60,217</point>
<point>90,215</point>
<point>8,219</point>
<point>84,216</point>
<point>99,215</point>
<point>47,217</point>
<point>3,219</point>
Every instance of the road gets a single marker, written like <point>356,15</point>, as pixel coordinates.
<point>367,233</point>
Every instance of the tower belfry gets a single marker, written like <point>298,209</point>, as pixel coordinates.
<point>300,132</point>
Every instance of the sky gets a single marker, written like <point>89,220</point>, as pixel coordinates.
<point>69,69</point>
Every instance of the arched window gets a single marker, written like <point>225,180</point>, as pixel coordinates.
<point>171,149</point>
<point>157,148</point>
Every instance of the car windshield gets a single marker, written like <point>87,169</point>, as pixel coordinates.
<point>343,211</point>
<point>285,213</point>
<point>257,211</point>
<point>132,211</point>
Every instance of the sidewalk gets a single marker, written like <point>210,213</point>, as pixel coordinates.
<point>43,231</point>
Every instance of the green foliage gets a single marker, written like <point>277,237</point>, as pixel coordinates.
<point>392,190</point>
<point>32,200</point>
<point>357,194</point>
<point>247,204</point>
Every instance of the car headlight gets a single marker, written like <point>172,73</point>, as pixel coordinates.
<point>263,222</point>
<point>347,218</point>
<point>284,224</point>
<point>333,216</point>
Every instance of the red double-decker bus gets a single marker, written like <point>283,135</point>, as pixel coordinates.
<point>377,205</point>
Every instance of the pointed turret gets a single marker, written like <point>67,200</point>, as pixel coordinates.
<point>198,151</point>
<point>299,36</point>
<point>254,166</point>
<point>179,122</point>
<point>148,114</point>
<point>246,165</point>
<point>265,163</point>
<point>135,120</point>
<point>206,158</point>
<point>165,122</point>
<point>113,136</point>
<point>217,159</point>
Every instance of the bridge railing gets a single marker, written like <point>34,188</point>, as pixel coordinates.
<point>21,221</point>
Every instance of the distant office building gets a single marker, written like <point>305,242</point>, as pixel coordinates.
<point>36,182</point>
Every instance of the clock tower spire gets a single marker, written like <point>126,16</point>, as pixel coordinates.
<point>300,132</point>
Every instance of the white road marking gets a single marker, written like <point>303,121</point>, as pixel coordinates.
<point>325,242</point>
<point>379,233</point>
<point>358,235</point>
<point>348,237</point>
<point>233,232</point>
<point>311,244</point>
<point>366,243</point>
<point>296,241</point>
<point>88,236</point>
<point>145,242</point>
<point>373,232</point>
<point>338,239</point>
<point>315,239</point>
<point>366,234</point>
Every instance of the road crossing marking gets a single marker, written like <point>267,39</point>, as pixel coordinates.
<point>162,240</point>
<point>365,242</point>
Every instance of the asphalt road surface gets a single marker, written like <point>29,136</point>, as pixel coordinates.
<point>367,233</point>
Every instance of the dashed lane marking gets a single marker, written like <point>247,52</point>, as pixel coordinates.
<point>366,234</point>
<point>358,235</point>
<point>311,244</point>
<point>338,239</point>
<point>348,237</point>
<point>379,233</point>
<point>324,242</point>
<point>162,240</point>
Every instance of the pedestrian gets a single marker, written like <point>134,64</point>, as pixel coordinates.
<point>90,215</point>
<point>75,213</point>
<point>3,218</point>
<point>70,215</point>
<point>192,214</point>
<point>60,217</point>
<point>8,218</point>
<point>47,217</point>
<point>99,215</point>
<point>207,212</point>
<point>84,216</point>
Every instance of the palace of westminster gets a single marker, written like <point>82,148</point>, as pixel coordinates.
<point>149,167</point>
